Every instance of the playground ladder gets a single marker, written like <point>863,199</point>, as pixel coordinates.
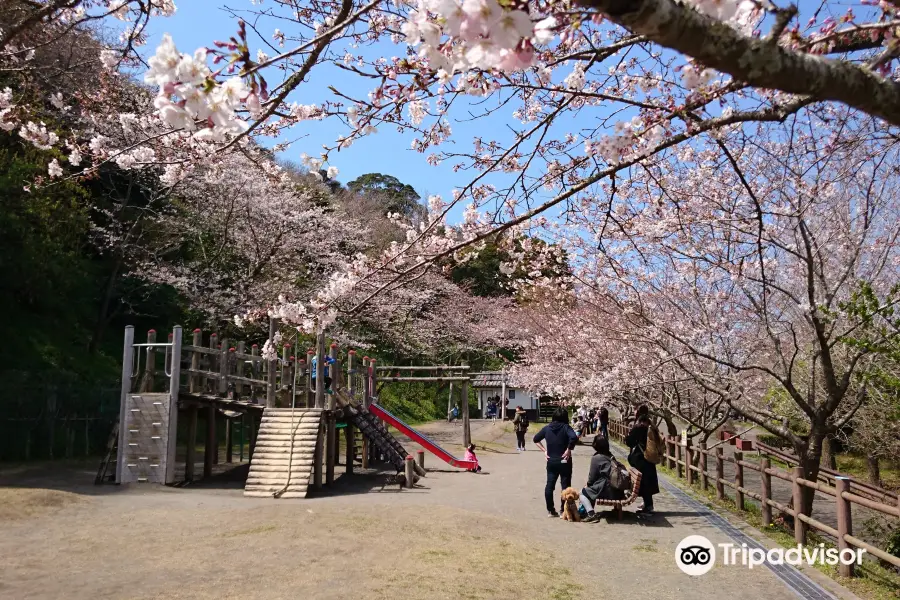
<point>372,428</point>
<point>107,470</point>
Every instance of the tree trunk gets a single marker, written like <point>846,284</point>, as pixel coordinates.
<point>670,425</point>
<point>828,460</point>
<point>873,466</point>
<point>810,459</point>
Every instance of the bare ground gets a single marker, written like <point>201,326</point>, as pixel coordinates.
<point>457,535</point>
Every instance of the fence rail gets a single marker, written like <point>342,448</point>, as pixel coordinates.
<point>678,456</point>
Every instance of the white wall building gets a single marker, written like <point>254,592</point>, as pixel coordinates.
<point>490,384</point>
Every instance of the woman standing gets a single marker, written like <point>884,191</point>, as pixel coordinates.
<point>520,425</point>
<point>637,441</point>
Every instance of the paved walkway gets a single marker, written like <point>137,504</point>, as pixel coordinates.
<point>354,539</point>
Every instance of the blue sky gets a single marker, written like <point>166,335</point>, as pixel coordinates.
<point>200,22</point>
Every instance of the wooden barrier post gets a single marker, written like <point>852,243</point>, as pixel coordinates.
<point>765,491</point>
<point>239,370</point>
<point>191,453</point>
<point>310,394</point>
<point>799,526</point>
<point>678,455</point>
<point>194,379</point>
<point>224,355</point>
<point>420,458</point>
<point>738,480</point>
<point>285,367</point>
<point>270,368</point>
<point>317,458</point>
<point>254,370</point>
<point>211,367</point>
<point>320,370</point>
<point>350,437</point>
<point>704,477</point>
<point>410,472</point>
<point>720,474</point>
<point>467,432</point>
<point>229,449</point>
<point>844,523</point>
<point>688,461</point>
<point>670,452</point>
<point>209,452</point>
<point>301,378</point>
<point>331,445</point>
<point>351,380</point>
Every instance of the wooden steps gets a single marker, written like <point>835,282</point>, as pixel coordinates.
<point>284,453</point>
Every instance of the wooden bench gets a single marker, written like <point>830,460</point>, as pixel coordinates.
<point>618,504</point>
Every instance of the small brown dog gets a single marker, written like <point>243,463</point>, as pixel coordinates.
<point>570,505</point>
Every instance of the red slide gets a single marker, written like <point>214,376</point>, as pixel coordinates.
<point>421,439</point>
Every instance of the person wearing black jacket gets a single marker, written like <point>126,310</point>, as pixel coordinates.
<point>560,440</point>
<point>599,483</point>
<point>637,441</point>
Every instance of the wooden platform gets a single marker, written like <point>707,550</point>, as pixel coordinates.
<point>282,462</point>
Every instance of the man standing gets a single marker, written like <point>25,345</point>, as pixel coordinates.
<point>560,440</point>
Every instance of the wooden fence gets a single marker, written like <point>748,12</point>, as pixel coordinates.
<point>679,457</point>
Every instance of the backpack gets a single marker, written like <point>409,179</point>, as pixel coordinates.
<point>652,451</point>
<point>523,423</point>
<point>619,477</point>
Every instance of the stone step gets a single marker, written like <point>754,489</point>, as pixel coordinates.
<point>265,494</point>
<point>297,466</point>
<point>278,482</point>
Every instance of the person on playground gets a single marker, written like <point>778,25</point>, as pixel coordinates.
<point>604,422</point>
<point>637,441</point>
<point>327,374</point>
<point>560,440</point>
<point>453,415</point>
<point>598,483</point>
<point>470,455</point>
<point>520,425</point>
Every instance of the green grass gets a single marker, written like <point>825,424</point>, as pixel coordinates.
<point>855,465</point>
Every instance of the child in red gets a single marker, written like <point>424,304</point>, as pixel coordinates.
<point>470,455</point>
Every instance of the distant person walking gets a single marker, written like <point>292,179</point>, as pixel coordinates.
<point>560,440</point>
<point>637,441</point>
<point>604,422</point>
<point>520,425</point>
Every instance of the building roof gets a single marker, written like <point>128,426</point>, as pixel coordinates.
<point>492,379</point>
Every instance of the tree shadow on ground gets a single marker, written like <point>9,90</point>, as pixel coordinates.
<point>634,519</point>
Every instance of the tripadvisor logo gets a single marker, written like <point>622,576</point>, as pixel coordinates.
<point>696,555</point>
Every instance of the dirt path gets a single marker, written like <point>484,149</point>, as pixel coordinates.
<point>456,535</point>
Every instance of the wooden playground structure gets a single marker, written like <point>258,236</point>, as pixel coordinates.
<point>292,422</point>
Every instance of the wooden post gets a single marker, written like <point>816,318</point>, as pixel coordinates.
<point>688,461</point>
<point>209,451</point>
<point>285,370</point>
<point>365,452</point>
<point>765,490</point>
<point>270,368</point>
<point>350,437</point>
<point>310,394</point>
<point>254,370</point>
<point>240,371</point>
<point>467,433</point>
<point>503,394</point>
<point>844,523</point>
<point>330,444</point>
<point>335,371</point>
<point>320,370</point>
<point>194,380</point>
<point>720,474</point>
<point>229,450</point>
<point>678,454</point>
<point>224,355</point>
<point>191,453</point>
<point>373,381</point>
<point>127,358</point>
<point>704,477</point>
<point>738,480</point>
<point>210,387</point>
<point>351,380</point>
<point>410,472</point>
<point>150,367</point>
<point>300,382</point>
<point>670,452</point>
<point>420,458</point>
<point>174,368</point>
<point>317,459</point>
<point>450,400</point>
<point>251,435</point>
<point>799,526</point>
